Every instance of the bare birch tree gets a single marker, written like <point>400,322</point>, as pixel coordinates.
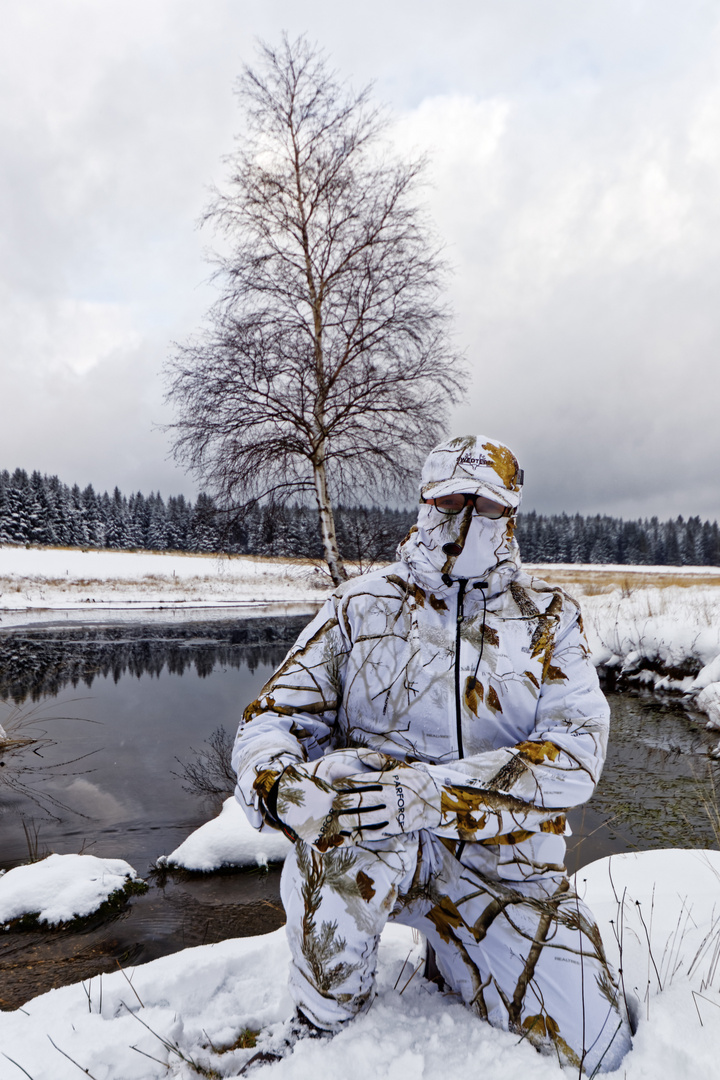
<point>325,364</point>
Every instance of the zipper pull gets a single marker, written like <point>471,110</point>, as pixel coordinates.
<point>462,585</point>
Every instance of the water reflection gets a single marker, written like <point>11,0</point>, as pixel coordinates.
<point>117,710</point>
<point>41,662</point>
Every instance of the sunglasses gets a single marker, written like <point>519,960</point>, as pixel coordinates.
<point>455,504</point>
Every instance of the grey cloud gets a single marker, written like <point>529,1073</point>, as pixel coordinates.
<point>576,168</point>
<point>86,798</point>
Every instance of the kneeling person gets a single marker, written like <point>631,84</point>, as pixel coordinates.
<point>421,745</point>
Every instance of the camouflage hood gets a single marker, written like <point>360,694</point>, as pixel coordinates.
<point>475,465</point>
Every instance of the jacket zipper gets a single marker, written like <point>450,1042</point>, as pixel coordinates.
<point>462,585</point>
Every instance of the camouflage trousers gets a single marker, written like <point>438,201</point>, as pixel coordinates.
<point>525,955</point>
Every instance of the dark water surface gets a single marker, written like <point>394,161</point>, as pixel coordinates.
<point>116,711</point>
<point>659,787</point>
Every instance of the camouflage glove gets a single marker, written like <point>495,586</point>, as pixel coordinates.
<point>400,799</point>
<point>370,805</point>
<point>301,801</point>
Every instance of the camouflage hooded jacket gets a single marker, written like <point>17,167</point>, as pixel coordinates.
<point>483,683</point>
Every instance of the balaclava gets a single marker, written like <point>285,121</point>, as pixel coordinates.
<point>474,464</point>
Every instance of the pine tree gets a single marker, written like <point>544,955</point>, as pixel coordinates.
<point>203,532</point>
<point>5,531</point>
<point>119,533</point>
<point>18,519</point>
<point>156,538</point>
<point>93,517</point>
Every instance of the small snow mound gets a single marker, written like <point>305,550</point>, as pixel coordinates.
<point>659,915</point>
<point>708,674</point>
<point>228,840</point>
<point>708,701</point>
<point>61,887</point>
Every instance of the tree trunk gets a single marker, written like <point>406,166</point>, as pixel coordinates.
<point>331,552</point>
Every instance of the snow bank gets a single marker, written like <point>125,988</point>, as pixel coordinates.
<point>659,916</point>
<point>667,638</point>
<point>61,887</point>
<point>72,578</point>
<point>227,840</point>
<point>138,1025</point>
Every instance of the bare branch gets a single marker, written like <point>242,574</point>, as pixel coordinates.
<point>325,365</point>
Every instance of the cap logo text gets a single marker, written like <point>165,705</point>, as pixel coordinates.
<point>474,461</point>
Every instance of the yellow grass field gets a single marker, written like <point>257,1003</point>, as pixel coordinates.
<point>592,580</point>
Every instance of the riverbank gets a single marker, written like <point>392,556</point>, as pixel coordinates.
<point>77,580</point>
<point>653,625</point>
<point>663,637</point>
<point>41,579</point>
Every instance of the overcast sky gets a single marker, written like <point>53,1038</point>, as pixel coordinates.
<point>576,183</point>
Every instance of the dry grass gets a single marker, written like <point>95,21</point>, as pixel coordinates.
<point>21,726</point>
<point>626,578</point>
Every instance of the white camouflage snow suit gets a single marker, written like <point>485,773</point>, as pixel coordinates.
<point>421,743</point>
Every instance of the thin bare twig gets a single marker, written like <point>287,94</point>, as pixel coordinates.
<point>402,969</point>
<point>695,995</point>
<point>412,976</point>
<point>17,1065</point>
<point>72,1059</point>
<point>129,982</point>
<point>651,956</point>
<point>137,1050</point>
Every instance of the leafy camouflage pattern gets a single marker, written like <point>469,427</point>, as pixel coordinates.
<point>476,464</point>
<point>474,679</point>
<point>318,801</point>
<point>377,671</point>
<point>522,956</point>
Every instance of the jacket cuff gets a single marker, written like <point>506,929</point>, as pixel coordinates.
<point>268,808</point>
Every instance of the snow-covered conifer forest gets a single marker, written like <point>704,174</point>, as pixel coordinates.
<point>37,509</point>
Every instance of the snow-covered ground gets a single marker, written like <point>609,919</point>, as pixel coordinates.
<point>36,579</point>
<point>183,1013</point>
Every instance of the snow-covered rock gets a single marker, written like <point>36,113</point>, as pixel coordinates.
<point>228,840</point>
<point>61,887</point>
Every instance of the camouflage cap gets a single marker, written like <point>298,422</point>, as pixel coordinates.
<point>476,464</point>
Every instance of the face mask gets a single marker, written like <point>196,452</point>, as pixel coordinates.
<point>483,543</point>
